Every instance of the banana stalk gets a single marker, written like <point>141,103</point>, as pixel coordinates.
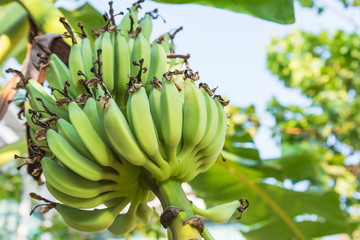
<point>171,195</point>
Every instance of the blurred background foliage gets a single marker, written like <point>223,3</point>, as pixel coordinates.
<point>311,191</point>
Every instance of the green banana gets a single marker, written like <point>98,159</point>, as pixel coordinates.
<point>171,119</point>
<point>67,131</point>
<point>157,63</point>
<point>76,202</point>
<point>130,43</point>
<point>218,214</point>
<point>76,65</point>
<point>155,107</point>
<point>75,161</point>
<point>195,118</point>
<point>141,50</point>
<point>89,136</point>
<point>125,24</point>
<point>72,184</point>
<point>92,112</point>
<point>122,69</point>
<point>35,90</point>
<point>53,76</point>
<point>107,58</point>
<point>87,58</point>
<point>144,128</point>
<point>146,25</point>
<point>125,223</point>
<point>90,220</point>
<point>217,144</point>
<point>123,141</point>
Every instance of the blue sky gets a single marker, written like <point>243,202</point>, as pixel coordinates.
<point>228,49</point>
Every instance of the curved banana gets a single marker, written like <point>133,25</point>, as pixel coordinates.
<point>125,223</point>
<point>75,65</point>
<point>146,25</point>
<point>75,161</point>
<point>72,184</point>
<point>217,144</point>
<point>123,141</point>
<point>80,202</point>
<point>54,75</point>
<point>144,128</point>
<point>87,57</point>
<point>141,50</point>
<point>35,90</point>
<point>155,108</point>
<point>92,112</point>
<point>218,214</point>
<point>107,58</point>
<point>171,119</point>
<point>89,136</point>
<point>90,220</point>
<point>157,63</point>
<point>194,122</point>
<point>125,24</point>
<point>67,131</point>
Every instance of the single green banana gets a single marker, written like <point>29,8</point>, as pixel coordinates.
<point>144,128</point>
<point>195,118</point>
<point>125,24</point>
<point>90,220</point>
<point>146,25</point>
<point>97,44</point>
<point>171,119</point>
<point>155,107</point>
<point>157,63</point>
<point>123,141</point>
<point>141,50</point>
<point>89,136</point>
<point>125,223</point>
<point>107,57</point>
<point>35,90</point>
<point>63,69</point>
<point>76,202</point>
<point>76,162</point>
<point>53,76</point>
<point>92,112</point>
<point>76,65</point>
<point>87,58</point>
<point>218,214</point>
<point>122,69</point>
<point>67,131</point>
<point>72,184</point>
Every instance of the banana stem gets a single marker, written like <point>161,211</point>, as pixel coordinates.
<point>171,195</point>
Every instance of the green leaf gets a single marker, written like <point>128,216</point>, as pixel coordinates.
<point>273,210</point>
<point>280,11</point>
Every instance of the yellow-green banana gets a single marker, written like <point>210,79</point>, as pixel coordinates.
<point>90,220</point>
<point>76,162</point>
<point>145,129</point>
<point>72,184</point>
<point>76,65</point>
<point>107,58</point>
<point>89,136</point>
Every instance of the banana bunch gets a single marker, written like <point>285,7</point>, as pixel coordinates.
<point>123,109</point>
